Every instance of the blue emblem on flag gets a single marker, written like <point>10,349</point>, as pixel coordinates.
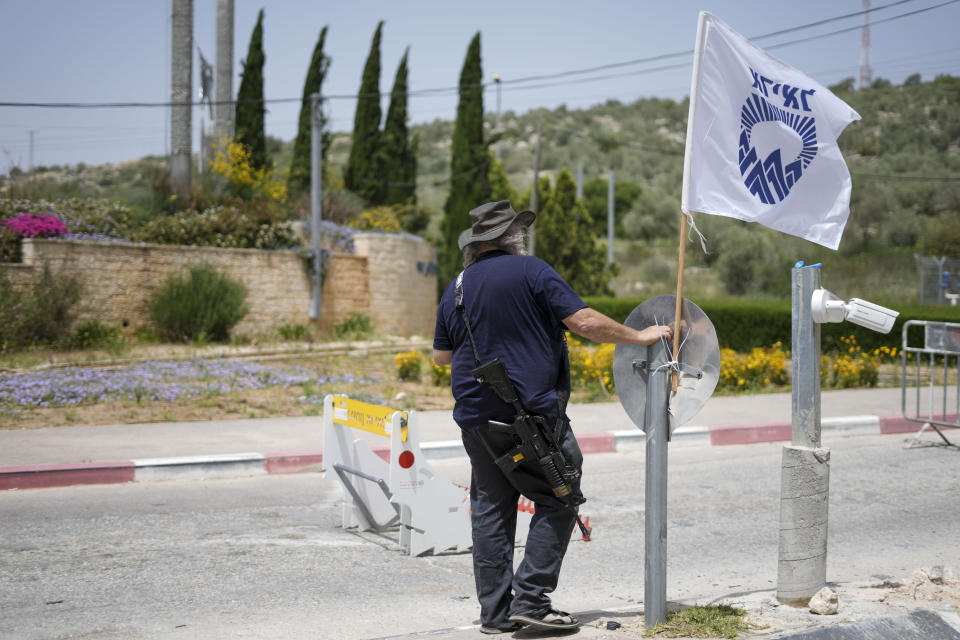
<point>777,144</point>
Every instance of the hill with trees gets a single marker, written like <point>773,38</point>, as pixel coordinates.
<point>904,157</point>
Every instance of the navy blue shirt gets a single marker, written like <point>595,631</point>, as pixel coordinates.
<point>516,305</point>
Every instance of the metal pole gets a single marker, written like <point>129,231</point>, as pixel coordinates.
<point>579,182</point>
<point>805,466</point>
<point>496,126</point>
<point>655,493</point>
<point>805,334</point>
<point>31,150</point>
<point>941,289</point>
<point>610,191</point>
<point>316,202</point>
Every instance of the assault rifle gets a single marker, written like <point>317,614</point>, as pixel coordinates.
<point>533,440</point>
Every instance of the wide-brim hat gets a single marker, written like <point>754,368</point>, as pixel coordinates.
<point>491,220</point>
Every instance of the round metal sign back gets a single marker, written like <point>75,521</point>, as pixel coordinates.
<point>698,360</point>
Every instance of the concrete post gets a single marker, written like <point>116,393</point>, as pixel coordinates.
<point>804,498</point>
<point>655,493</point>
<point>181,79</point>
<point>223,87</point>
<point>805,467</point>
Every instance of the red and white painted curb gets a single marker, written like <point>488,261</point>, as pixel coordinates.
<point>252,464</point>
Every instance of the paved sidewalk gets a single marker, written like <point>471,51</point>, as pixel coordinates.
<point>226,448</point>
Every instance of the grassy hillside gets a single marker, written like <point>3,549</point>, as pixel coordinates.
<point>904,156</point>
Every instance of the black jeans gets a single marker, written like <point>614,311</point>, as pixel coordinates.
<point>493,503</point>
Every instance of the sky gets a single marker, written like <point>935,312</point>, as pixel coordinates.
<point>98,51</point>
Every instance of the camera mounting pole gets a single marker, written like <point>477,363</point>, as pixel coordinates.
<point>805,466</point>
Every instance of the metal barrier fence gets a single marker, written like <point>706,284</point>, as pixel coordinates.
<point>936,382</point>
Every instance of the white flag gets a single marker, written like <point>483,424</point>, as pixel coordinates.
<point>762,140</point>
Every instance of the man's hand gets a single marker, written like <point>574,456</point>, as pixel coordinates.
<point>656,332</point>
<point>593,325</point>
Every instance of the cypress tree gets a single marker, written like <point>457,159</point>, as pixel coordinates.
<point>469,187</point>
<point>398,153</point>
<point>364,171</point>
<point>565,240</point>
<point>299,178</point>
<point>250,108</point>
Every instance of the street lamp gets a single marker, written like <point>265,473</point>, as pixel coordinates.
<point>496,125</point>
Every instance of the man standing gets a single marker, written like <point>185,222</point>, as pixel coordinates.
<point>515,307</point>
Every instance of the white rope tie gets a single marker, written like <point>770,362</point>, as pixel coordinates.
<point>693,229</point>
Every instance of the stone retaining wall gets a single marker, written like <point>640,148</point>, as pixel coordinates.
<point>403,282</point>
<point>392,279</point>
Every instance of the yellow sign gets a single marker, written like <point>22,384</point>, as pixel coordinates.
<point>365,416</point>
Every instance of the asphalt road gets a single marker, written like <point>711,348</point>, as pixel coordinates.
<point>264,558</point>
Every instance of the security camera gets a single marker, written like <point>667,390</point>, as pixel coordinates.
<point>870,315</point>
<point>827,307</point>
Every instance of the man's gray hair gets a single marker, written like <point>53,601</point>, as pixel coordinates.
<point>513,242</point>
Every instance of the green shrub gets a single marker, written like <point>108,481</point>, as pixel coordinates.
<point>15,310</point>
<point>239,224</point>
<point>55,298</point>
<point>743,325</point>
<point>146,335</point>
<point>356,327</point>
<point>201,305</point>
<point>40,315</point>
<point>294,332</point>
<point>10,247</point>
<point>92,334</point>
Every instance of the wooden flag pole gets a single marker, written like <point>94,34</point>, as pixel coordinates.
<point>676,327</point>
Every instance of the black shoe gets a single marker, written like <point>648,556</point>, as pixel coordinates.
<point>510,628</point>
<point>551,619</point>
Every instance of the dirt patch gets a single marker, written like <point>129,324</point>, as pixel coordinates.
<point>934,589</point>
<point>924,587</point>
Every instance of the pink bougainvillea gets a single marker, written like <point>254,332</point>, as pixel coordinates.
<point>34,225</point>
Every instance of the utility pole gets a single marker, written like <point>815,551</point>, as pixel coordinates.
<point>579,182</point>
<point>610,218</point>
<point>31,151</point>
<point>181,80</point>
<point>223,87</point>
<point>496,125</point>
<point>533,193</point>
<point>866,73</point>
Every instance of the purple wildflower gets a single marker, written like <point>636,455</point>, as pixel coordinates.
<point>168,381</point>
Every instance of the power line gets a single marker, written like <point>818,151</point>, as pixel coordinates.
<point>517,81</point>
<point>688,52</point>
<point>858,27</point>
